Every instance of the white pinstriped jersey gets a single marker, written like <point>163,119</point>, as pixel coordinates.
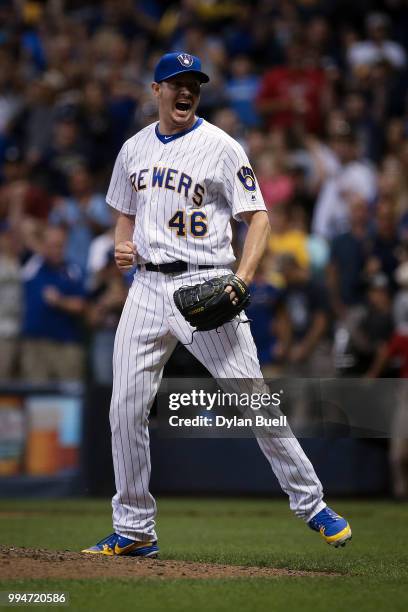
<point>183,190</point>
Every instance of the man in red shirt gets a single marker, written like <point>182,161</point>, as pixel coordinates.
<point>291,95</point>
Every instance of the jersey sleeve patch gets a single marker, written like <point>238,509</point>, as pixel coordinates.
<point>247,177</point>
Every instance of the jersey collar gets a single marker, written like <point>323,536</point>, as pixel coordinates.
<point>167,139</point>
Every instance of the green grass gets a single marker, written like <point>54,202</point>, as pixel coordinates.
<point>373,568</point>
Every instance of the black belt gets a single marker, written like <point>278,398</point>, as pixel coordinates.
<point>173,267</point>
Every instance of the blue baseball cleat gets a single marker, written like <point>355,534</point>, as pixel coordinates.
<point>333,528</point>
<point>116,544</point>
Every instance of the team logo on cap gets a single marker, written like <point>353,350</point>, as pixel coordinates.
<point>247,178</point>
<point>185,60</point>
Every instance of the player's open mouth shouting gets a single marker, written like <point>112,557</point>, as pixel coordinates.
<point>178,99</point>
<point>184,105</point>
<point>188,95</point>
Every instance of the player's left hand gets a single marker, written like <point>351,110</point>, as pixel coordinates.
<point>211,304</point>
<point>233,296</point>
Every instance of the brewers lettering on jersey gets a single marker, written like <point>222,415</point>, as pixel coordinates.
<point>176,184</point>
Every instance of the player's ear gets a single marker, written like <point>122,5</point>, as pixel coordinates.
<point>155,89</point>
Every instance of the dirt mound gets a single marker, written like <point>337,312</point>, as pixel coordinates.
<point>40,563</point>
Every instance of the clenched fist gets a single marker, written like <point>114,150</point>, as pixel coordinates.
<point>125,255</point>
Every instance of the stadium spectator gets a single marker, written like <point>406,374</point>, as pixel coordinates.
<point>369,135</point>
<point>286,238</point>
<point>349,254</point>
<point>256,141</point>
<point>240,35</point>
<point>367,328</point>
<point>394,138</point>
<point>274,180</point>
<point>291,96</point>
<point>105,306</point>
<point>385,90</point>
<point>54,302</point>
<point>24,205</point>
<point>10,90</point>
<point>33,125</point>
<point>97,125</point>
<point>384,242</point>
<point>67,150</point>
<point>10,302</point>
<point>241,90</point>
<point>397,351</point>
<point>400,306</point>
<point>84,214</point>
<point>98,255</point>
<point>309,352</point>
<point>393,187</point>
<point>377,47</point>
<point>227,119</point>
<point>19,196</point>
<point>351,176</point>
<point>319,40</point>
<point>268,318</point>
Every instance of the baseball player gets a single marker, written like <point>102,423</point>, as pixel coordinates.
<point>176,184</point>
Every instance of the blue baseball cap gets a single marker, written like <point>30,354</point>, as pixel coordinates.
<point>172,64</point>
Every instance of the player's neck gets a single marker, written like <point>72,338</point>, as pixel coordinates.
<point>167,128</point>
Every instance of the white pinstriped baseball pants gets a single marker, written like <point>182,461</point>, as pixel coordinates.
<point>147,334</point>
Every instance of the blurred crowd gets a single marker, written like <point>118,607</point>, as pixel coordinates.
<point>316,91</point>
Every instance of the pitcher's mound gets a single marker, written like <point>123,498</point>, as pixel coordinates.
<point>40,563</point>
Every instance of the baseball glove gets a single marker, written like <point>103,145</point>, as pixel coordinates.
<point>208,306</point>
